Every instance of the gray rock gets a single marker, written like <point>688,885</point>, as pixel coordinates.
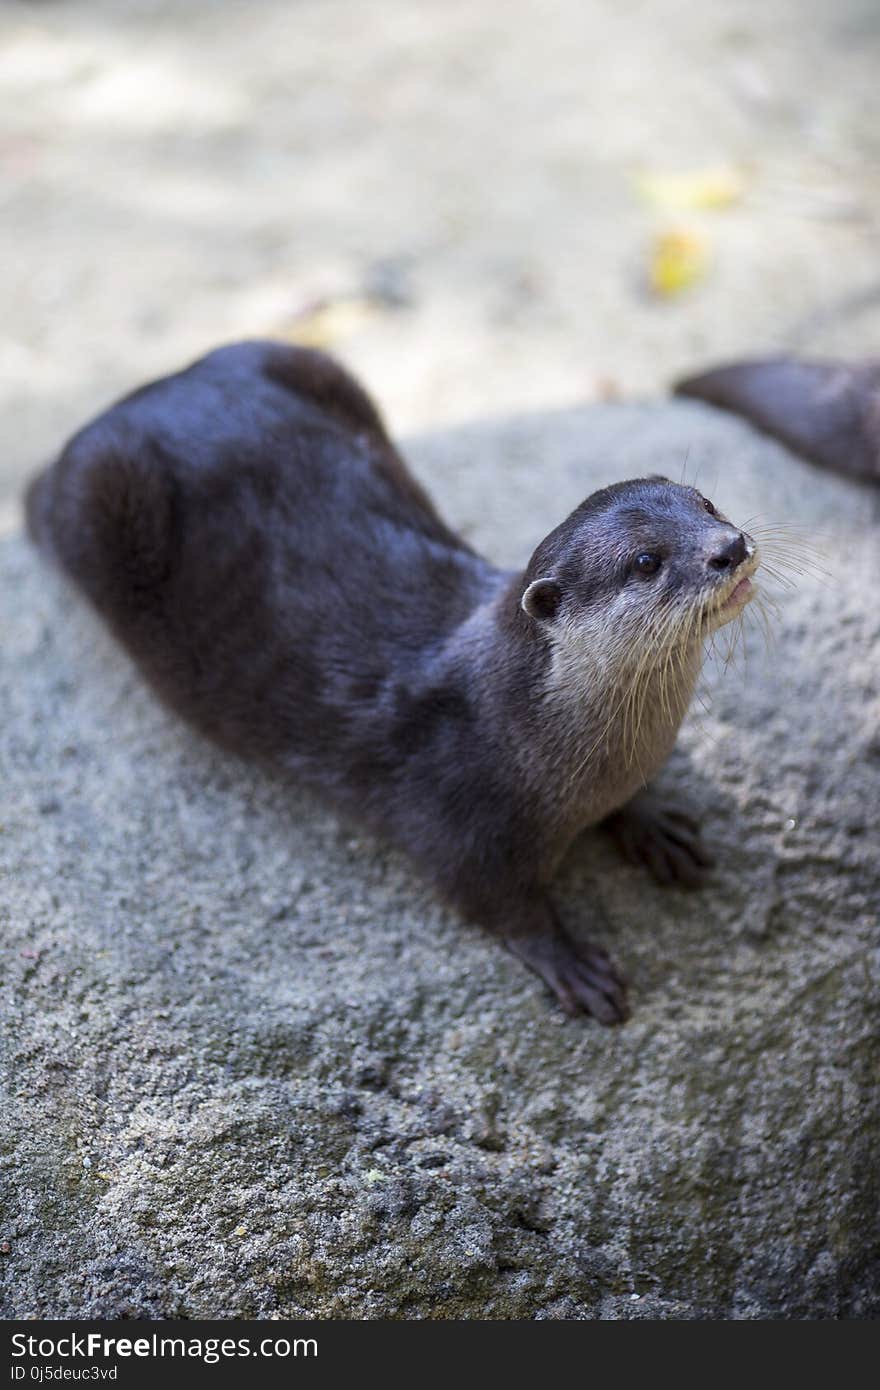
<point>254,1069</point>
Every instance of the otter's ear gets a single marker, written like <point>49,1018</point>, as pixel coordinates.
<point>541,599</point>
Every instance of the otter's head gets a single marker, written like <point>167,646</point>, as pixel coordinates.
<point>647,560</point>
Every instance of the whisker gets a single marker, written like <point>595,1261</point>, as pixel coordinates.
<point>800,549</point>
<point>799,529</point>
<point>763,622</point>
<point>808,568</point>
<point>687,454</point>
<point>783,579</point>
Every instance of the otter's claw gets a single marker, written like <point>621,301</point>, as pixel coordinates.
<point>665,839</point>
<point>581,975</point>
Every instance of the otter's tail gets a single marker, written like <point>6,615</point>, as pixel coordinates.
<point>104,512</point>
<point>827,411</point>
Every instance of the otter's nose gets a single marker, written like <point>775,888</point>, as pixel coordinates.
<point>730,555</point>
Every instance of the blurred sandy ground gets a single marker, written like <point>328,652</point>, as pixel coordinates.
<point>456,181</point>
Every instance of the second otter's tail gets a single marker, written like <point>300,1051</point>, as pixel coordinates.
<point>104,512</point>
<point>828,411</point>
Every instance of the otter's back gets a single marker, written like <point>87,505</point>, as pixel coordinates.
<point>253,538</point>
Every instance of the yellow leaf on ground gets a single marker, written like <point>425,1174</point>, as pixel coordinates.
<point>678,260</point>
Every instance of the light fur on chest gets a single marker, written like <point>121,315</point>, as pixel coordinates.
<point>610,726</point>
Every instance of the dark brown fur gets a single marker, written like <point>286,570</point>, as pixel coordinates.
<point>256,542</point>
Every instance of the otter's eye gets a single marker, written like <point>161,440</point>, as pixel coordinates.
<point>647,563</point>
<point>709,507</point>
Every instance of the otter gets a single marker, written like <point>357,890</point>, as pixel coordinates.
<point>826,410</point>
<point>255,541</point>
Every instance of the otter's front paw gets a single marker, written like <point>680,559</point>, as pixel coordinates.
<point>665,839</point>
<point>581,975</point>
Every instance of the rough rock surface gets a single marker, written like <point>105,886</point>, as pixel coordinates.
<point>253,1069</point>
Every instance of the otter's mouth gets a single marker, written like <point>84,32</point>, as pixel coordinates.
<point>739,590</point>
<point>741,593</point>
